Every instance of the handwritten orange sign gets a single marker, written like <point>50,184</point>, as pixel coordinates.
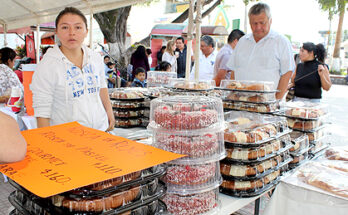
<point>68,156</point>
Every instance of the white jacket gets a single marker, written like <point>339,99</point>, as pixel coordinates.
<point>64,93</point>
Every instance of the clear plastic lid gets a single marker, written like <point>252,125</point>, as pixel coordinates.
<point>182,113</point>
<point>318,148</point>
<point>249,188</point>
<point>128,123</point>
<point>317,134</point>
<point>337,153</point>
<point>300,142</point>
<point>183,84</point>
<point>247,106</point>
<point>335,164</point>
<point>305,110</point>
<point>199,203</point>
<point>126,113</point>
<point>299,159</point>
<point>252,86</point>
<point>159,78</point>
<point>126,104</point>
<point>248,97</point>
<point>328,179</point>
<point>246,127</point>
<point>188,179</point>
<point>129,93</point>
<point>305,125</point>
<point>199,147</point>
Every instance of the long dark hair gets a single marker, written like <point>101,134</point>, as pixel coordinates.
<point>140,52</point>
<point>7,54</point>
<point>318,50</point>
<point>71,10</point>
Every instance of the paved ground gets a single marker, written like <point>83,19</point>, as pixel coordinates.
<point>336,98</point>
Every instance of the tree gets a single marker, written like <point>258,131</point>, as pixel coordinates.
<point>335,7</point>
<point>113,25</point>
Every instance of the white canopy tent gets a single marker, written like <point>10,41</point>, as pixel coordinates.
<point>21,13</point>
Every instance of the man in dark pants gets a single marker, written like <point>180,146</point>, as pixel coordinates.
<point>181,60</point>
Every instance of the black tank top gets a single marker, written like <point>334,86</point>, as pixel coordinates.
<point>309,86</point>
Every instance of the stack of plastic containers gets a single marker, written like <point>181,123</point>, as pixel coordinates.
<point>249,96</point>
<point>159,78</point>
<point>194,126</point>
<point>135,193</point>
<point>309,119</point>
<point>129,107</point>
<point>257,153</point>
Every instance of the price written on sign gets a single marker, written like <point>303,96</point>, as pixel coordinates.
<point>68,156</point>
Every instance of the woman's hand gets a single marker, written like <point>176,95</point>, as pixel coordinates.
<point>321,69</point>
<point>290,85</point>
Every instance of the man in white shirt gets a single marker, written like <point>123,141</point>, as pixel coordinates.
<point>221,70</point>
<point>206,60</point>
<point>263,55</point>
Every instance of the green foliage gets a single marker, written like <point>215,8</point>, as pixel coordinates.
<point>246,2</point>
<point>148,2</point>
<point>332,6</point>
<point>21,51</point>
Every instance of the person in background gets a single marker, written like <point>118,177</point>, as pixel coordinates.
<point>148,53</point>
<point>106,60</point>
<point>139,80</point>
<point>263,55</point>
<point>8,77</point>
<point>160,54</point>
<point>206,59</point>
<point>169,55</point>
<point>312,74</point>
<point>69,83</point>
<point>221,71</point>
<point>139,59</point>
<point>12,145</point>
<point>164,66</point>
<point>181,48</point>
<point>111,75</point>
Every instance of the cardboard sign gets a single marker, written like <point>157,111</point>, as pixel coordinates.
<point>68,156</point>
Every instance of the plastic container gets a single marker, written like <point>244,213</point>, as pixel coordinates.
<point>248,97</point>
<point>185,179</point>
<point>182,113</point>
<point>248,86</point>
<point>127,94</point>
<point>159,78</point>
<point>250,188</point>
<point>298,160</point>
<point>126,104</point>
<point>257,107</point>
<point>198,203</point>
<point>300,142</point>
<point>128,113</point>
<point>254,128</point>
<point>305,110</point>
<point>183,84</point>
<point>316,134</point>
<point>305,125</point>
<point>319,145</point>
<point>127,123</point>
<point>201,146</point>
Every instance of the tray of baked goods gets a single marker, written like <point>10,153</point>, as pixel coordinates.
<point>250,188</point>
<point>199,146</point>
<point>116,202</point>
<point>246,129</point>
<point>300,142</point>
<point>129,113</point>
<point>182,84</point>
<point>248,86</point>
<point>337,153</point>
<point>317,133</point>
<point>319,145</point>
<point>305,110</point>
<point>307,124</point>
<point>327,176</point>
<point>299,159</point>
<point>127,94</point>
<point>252,107</point>
<point>159,78</point>
<point>203,202</point>
<point>188,179</point>
<point>116,104</point>
<point>248,97</point>
<point>231,170</point>
<point>131,122</point>
<point>183,113</point>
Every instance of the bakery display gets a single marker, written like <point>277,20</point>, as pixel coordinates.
<point>317,134</point>
<point>337,153</point>
<point>193,204</point>
<point>159,78</point>
<point>248,85</point>
<point>300,142</point>
<point>325,178</point>
<point>126,104</point>
<point>336,164</point>
<point>305,110</point>
<point>248,97</point>
<point>127,123</point>
<point>298,159</point>
<point>252,107</point>
<point>304,125</point>
<point>126,93</point>
<point>128,113</point>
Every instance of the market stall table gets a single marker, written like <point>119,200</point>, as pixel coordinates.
<point>292,196</point>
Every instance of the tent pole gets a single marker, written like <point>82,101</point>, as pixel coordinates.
<point>198,22</point>
<point>5,34</point>
<point>38,43</point>
<point>189,40</point>
<point>90,30</point>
